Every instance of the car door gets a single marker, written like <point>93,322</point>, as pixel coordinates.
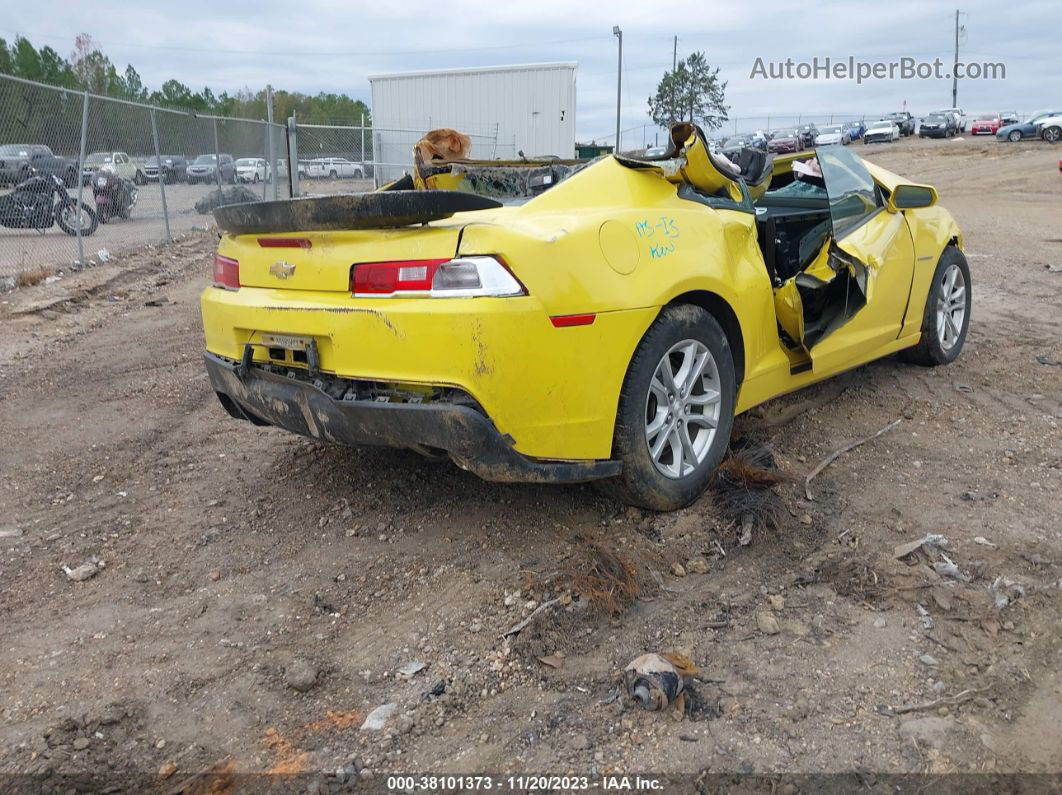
<point>851,299</point>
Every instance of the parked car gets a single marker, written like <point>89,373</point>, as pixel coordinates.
<point>441,347</point>
<point>807,135</point>
<point>960,118</point>
<point>857,129</point>
<point>1030,128</point>
<point>334,168</point>
<point>251,169</point>
<point>1051,129</point>
<point>174,169</point>
<point>986,124</point>
<point>834,134</point>
<point>207,168</point>
<point>904,120</point>
<point>937,125</point>
<point>786,140</point>
<point>1009,117</point>
<point>116,162</point>
<point>734,145</point>
<point>881,132</point>
<point>18,162</point>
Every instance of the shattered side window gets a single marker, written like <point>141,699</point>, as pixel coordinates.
<point>852,192</point>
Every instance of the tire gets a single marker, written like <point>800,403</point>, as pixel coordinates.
<point>138,178</point>
<point>1052,134</point>
<point>679,336</point>
<point>941,343</point>
<point>332,174</point>
<point>70,178</point>
<point>1014,136</point>
<point>94,221</point>
<point>256,179</point>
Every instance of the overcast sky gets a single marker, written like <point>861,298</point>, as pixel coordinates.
<point>315,45</point>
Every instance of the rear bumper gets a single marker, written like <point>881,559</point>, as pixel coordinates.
<point>553,390</point>
<point>468,436</point>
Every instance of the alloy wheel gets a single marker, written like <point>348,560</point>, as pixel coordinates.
<point>951,307</point>
<point>682,408</point>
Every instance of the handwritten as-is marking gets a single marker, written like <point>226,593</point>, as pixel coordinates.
<point>660,235</point>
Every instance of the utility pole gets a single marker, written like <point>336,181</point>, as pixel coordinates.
<point>619,82</point>
<point>955,67</point>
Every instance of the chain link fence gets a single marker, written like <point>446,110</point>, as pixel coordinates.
<point>172,161</point>
<point>176,161</point>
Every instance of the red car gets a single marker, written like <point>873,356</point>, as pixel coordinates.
<point>986,123</point>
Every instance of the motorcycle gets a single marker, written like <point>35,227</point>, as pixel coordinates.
<point>114,196</point>
<point>41,202</point>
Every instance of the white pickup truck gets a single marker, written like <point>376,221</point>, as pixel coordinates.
<point>333,168</point>
<point>116,162</point>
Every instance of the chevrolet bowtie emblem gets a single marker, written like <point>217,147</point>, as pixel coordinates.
<point>282,270</point>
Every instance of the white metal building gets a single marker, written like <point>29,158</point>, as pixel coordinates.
<point>527,108</point>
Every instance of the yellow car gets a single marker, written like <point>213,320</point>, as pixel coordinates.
<point>602,321</point>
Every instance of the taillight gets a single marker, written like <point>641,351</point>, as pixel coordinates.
<point>226,272</point>
<point>464,277</point>
<point>383,279</point>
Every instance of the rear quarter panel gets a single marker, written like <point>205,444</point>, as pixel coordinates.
<point>614,238</point>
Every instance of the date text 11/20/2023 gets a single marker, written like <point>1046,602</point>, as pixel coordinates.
<point>524,783</point>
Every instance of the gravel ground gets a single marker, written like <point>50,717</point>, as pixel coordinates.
<point>257,594</point>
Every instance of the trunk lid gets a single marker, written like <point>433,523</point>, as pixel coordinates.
<point>312,243</point>
<point>321,261</point>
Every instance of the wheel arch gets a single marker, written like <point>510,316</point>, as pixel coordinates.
<point>718,307</point>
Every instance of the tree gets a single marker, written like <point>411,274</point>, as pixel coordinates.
<point>130,86</point>
<point>27,61</point>
<point>94,70</point>
<point>691,92</point>
<point>89,69</point>
<point>7,64</point>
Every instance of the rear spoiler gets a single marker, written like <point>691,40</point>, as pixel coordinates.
<point>378,210</point>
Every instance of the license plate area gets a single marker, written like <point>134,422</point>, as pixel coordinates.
<point>290,349</point>
<point>286,342</point>
<point>286,349</point>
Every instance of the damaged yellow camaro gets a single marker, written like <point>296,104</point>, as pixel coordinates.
<point>602,321</point>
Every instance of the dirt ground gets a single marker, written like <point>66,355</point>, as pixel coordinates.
<point>260,593</point>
